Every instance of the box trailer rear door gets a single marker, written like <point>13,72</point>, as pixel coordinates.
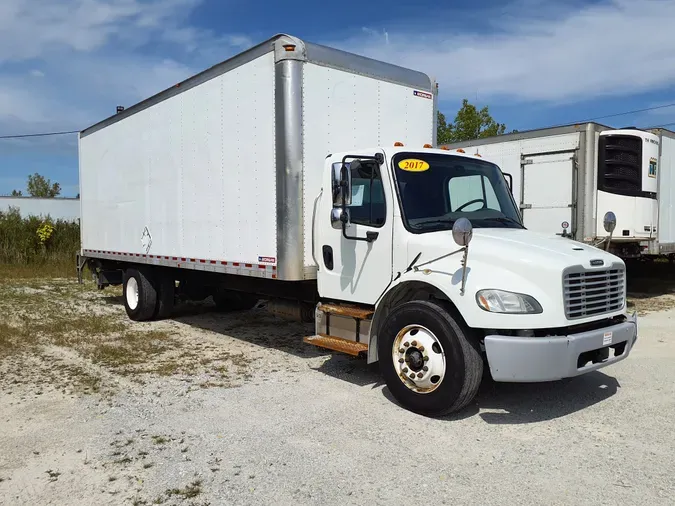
<point>547,196</point>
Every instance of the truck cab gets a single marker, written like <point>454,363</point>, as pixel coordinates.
<point>424,265</point>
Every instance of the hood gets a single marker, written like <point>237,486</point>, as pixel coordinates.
<point>509,259</point>
<point>515,246</point>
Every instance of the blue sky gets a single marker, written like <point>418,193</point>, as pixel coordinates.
<point>66,64</point>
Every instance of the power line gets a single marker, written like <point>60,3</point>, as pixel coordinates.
<point>44,134</point>
<point>627,113</point>
<point>664,125</point>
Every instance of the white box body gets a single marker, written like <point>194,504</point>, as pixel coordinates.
<point>221,171</point>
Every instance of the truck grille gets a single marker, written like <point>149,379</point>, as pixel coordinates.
<point>589,293</point>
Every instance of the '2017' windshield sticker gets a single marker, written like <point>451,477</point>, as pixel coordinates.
<point>413,165</point>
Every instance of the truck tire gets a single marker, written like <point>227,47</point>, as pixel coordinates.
<point>166,289</point>
<point>140,294</point>
<point>420,338</point>
<point>230,300</point>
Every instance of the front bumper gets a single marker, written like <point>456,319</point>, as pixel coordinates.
<point>536,359</point>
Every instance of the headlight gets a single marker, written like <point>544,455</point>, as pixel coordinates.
<point>499,301</point>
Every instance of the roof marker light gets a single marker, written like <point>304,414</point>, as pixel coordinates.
<point>398,144</point>
<point>428,146</point>
<point>445,148</point>
<point>460,150</point>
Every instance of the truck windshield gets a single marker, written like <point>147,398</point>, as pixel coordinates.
<point>437,189</point>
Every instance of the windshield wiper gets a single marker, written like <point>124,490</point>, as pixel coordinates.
<point>506,219</point>
<point>439,221</point>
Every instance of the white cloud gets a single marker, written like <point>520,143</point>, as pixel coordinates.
<point>33,28</point>
<point>93,55</point>
<point>554,54</point>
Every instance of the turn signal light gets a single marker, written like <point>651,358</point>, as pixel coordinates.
<point>289,47</point>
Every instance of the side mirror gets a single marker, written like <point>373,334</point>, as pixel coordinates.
<point>341,184</point>
<point>609,222</point>
<point>462,232</point>
<point>339,217</point>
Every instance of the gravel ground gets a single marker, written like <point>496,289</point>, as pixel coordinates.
<point>235,409</point>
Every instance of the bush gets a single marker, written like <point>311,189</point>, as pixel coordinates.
<point>37,241</point>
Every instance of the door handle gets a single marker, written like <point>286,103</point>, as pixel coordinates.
<point>328,257</point>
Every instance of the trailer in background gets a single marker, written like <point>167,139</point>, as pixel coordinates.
<point>565,179</point>
<point>58,208</point>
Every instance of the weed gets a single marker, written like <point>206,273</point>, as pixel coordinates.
<point>148,465</point>
<point>53,475</point>
<point>190,491</point>
<point>159,440</point>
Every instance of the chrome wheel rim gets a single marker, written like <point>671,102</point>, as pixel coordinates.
<point>419,359</point>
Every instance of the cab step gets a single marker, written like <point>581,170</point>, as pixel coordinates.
<point>337,344</point>
<point>342,310</point>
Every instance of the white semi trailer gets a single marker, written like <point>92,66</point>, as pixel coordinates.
<point>565,179</point>
<point>306,176</point>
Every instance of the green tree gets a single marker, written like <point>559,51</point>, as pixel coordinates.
<point>38,186</point>
<point>470,123</point>
<point>444,131</point>
<point>16,193</point>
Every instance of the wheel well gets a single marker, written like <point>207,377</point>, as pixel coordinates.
<point>406,292</point>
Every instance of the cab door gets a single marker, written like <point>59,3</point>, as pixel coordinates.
<point>351,268</point>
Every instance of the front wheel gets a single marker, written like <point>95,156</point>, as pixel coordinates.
<point>428,363</point>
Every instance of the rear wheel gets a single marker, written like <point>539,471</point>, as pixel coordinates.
<point>140,295</point>
<point>427,360</point>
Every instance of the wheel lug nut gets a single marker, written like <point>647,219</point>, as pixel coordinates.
<point>401,350</point>
<point>412,376</point>
<point>425,368</point>
<point>400,360</point>
<point>426,359</point>
<point>414,343</point>
<point>405,369</point>
<point>406,344</point>
<point>419,374</point>
<point>421,348</point>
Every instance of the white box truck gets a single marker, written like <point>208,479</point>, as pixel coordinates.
<point>567,178</point>
<point>306,176</point>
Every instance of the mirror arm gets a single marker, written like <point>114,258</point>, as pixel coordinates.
<point>464,258</point>
<point>609,240</point>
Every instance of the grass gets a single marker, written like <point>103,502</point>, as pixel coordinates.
<point>14,339</point>
<point>34,241</point>
<point>72,338</point>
